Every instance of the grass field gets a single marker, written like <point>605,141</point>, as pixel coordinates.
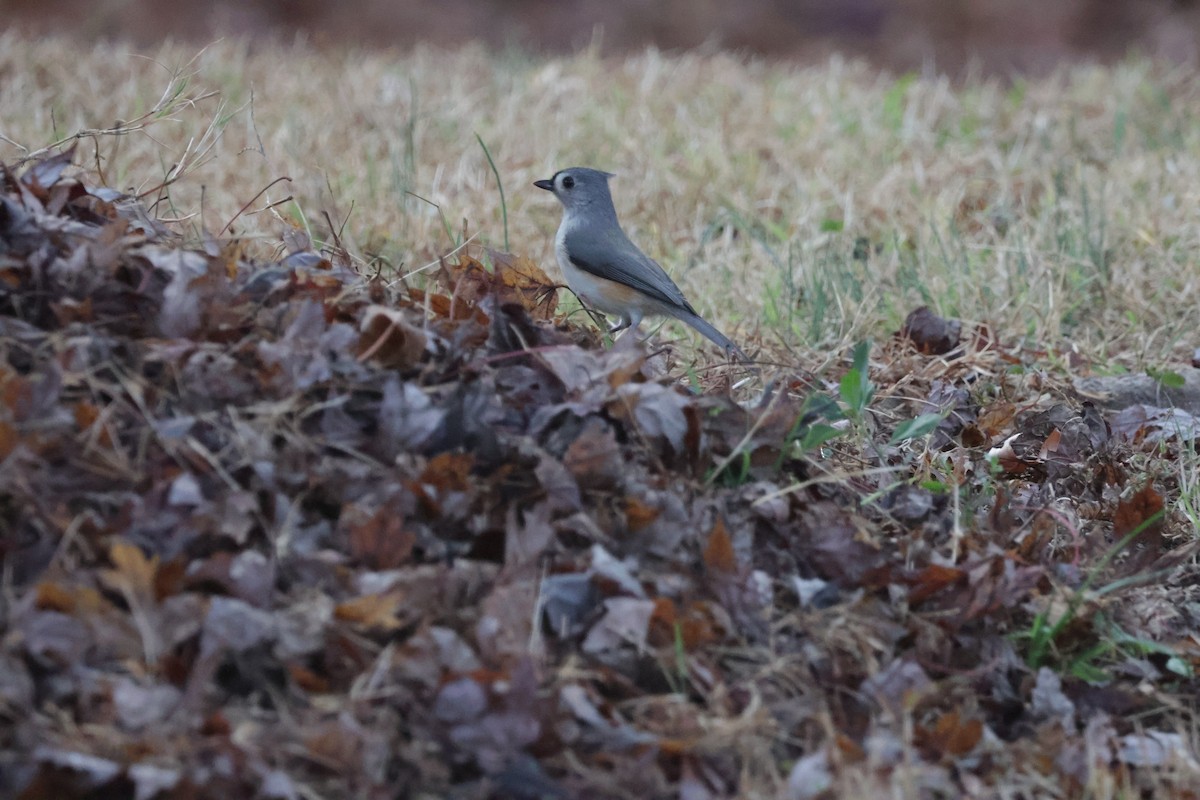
<point>804,210</point>
<point>1060,209</point>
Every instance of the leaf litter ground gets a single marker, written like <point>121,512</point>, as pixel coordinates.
<point>277,529</point>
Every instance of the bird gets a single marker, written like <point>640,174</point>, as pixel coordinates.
<point>606,270</point>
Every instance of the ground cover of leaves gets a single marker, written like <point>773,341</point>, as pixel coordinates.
<point>282,530</point>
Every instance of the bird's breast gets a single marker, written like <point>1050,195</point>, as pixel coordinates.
<point>602,294</point>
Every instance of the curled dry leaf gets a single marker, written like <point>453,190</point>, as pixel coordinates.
<point>929,333</point>
<point>524,282</point>
<point>388,338</point>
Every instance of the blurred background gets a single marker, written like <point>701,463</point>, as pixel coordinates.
<point>997,36</point>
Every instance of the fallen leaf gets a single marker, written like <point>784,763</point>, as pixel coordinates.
<point>931,580</point>
<point>378,611</point>
<point>1141,517</point>
<point>929,333</point>
<point>950,736</point>
<point>390,339</point>
<point>638,514</point>
<point>655,412</point>
<point>1141,511</point>
<point>526,283</point>
<point>133,572</point>
<point>693,626</point>
<point>378,538</point>
<point>718,551</point>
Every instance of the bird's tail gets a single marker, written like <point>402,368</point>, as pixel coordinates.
<point>713,335</point>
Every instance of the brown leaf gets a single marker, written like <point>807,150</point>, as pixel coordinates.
<point>9,438</point>
<point>1142,513</point>
<point>1051,444</point>
<point>594,457</point>
<point>972,436</point>
<point>950,736</point>
<point>1135,512</point>
<point>929,333</point>
<point>830,541</point>
<point>389,339</point>
<point>849,749</point>
<point>449,472</point>
<point>168,581</point>
<point>133,571</point>
<point>308,680</point>
<point>581,370</point>
<point>522,281</point>
<point>85,414</point>
<point>718,551</point>
<point>638,515</point>
<point>996,418</point>
<point>931,580</point>
<point>514,281</point>
<point>380,611</point>
<point>52,596</point>
<point>216,724</point>
<point>445,307</point>
<point>665,613</point>
<point>16,393</point>
<point>68,310</point>
<point>379,540</point>
<point>694,626</point>
<point>334,745</point>
<point>467,279</point>
<point>1040,534</point>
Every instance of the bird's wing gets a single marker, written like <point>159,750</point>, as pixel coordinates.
<point>612,256</point>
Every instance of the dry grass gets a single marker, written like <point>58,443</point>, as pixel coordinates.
<point>1061,209</point>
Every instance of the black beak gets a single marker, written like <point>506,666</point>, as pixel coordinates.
<point>547,185</point>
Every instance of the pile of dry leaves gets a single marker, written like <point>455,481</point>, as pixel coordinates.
<point>280,530</point>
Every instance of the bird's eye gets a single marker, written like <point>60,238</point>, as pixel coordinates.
<point>568,182</point>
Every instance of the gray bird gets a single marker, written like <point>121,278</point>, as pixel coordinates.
<point>606,270</point>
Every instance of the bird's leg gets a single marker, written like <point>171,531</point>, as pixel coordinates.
<point>630,320</point>
<point>620,325</point>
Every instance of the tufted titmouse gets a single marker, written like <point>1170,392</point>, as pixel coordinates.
<point>606,270</point>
